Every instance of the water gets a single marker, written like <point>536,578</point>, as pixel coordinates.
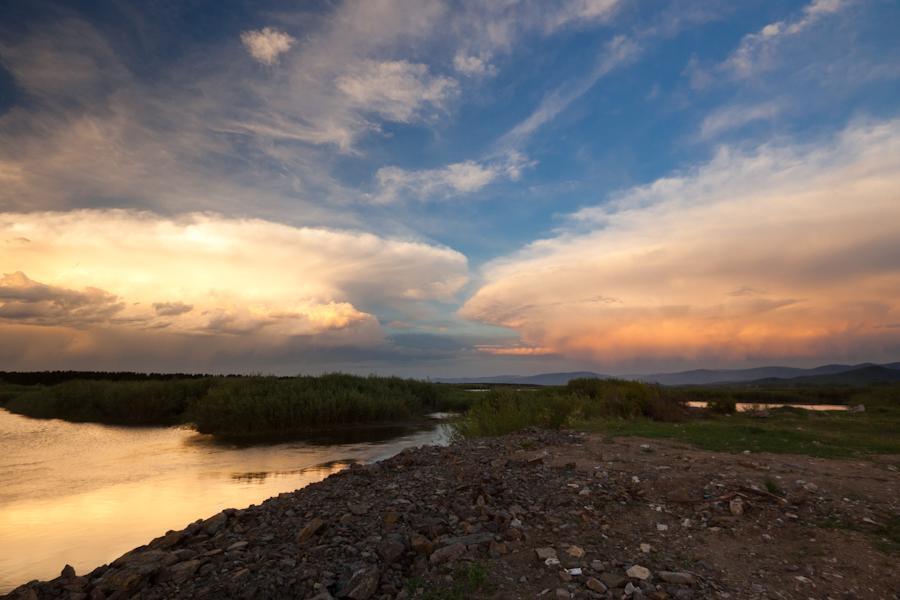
<point>751,406</point>
<point>84,494</point>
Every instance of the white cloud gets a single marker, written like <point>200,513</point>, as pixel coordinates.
<point>733,117</point>
<point>755,52</point>
<point>266,45</point>
<point>455,179</point>
<point>472,66</point>
<point>810,229</point>
<point>397,90</point>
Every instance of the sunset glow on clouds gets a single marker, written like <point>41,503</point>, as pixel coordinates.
<point>447,187</point>
<point>778,252</point>
<point>210,279</point>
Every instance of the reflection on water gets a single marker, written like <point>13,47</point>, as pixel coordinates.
<point>750,406</point>
<point>84,494</point>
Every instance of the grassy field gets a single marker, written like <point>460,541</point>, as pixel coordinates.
<point>620,409</point>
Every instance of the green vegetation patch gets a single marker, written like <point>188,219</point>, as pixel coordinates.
<point>469,580</point>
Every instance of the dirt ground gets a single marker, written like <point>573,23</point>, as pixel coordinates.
<point>820,535</point>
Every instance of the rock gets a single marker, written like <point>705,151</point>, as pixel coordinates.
<point>447,554</point>
<point>545,553</point>
<point>362,585</point>
<point>677,577</point>
<point>645,548</point>
<point>392,548</point>
<point>613,580</point>
<point>125,579</point>
<point>170,540</point>
<point>213,524</point>
<point>181,572</point>
<point>497,549</point>
<point>473,539</point>
<point>311,529</point>
<point>237,546</point>
<point>421,544</point>
<point>629,589</point>
<point>575,551</point>
<point>562,593</point>
<point>638,572</point>
<point>358,508</point>
<point>23,592</point>
<point>736,506</point>
<point>596,585</point>
<point>391,518</point>
<point>662,527</point>
<point>68,572</point>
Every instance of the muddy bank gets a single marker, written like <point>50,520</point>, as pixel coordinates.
<point>544,514</point>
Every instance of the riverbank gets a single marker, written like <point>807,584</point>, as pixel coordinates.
<point>575,514</point>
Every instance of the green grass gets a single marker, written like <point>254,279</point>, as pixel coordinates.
<point>468,580</point>
<point>886,537</point>
<point>632,409</point>
<point>787,431</point>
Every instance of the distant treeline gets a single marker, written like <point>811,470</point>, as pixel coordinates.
<point>55,377</point>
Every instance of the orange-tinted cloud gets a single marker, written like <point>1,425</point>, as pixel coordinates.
<point>785,251</point>
<point>201,284</point>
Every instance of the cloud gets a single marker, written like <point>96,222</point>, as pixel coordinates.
<point>729,118</point>
<point>30,302</point>
<point>473,66</point>
<point>266,45</point>
<point>397,90</point>
<point>254,284</point>
<point>454,180</point>
<point>785,251</point>
<point>755,52</point>
<point>619,51</point>
<point>172,309</point>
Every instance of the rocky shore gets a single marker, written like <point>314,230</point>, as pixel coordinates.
<point>536,515</point>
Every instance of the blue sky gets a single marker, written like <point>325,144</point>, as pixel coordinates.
<point>436,188</point>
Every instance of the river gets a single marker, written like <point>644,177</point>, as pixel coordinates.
<point>84,494</point>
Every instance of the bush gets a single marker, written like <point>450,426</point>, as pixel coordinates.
<point>269,405</point>
<point>722,406</point>
<point>625,399</point>
<point>124,402</point>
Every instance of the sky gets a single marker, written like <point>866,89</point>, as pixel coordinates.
<point>443,188</point>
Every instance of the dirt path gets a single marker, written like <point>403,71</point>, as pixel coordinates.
<point>539,514</point>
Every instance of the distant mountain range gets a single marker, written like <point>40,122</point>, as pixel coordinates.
<point>825,374</point>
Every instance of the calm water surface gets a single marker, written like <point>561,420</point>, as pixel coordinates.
<point>84,494</point>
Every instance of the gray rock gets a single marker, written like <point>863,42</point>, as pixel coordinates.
<point>677,577</point>
<point>362,585</point>
<point>638,572</point>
